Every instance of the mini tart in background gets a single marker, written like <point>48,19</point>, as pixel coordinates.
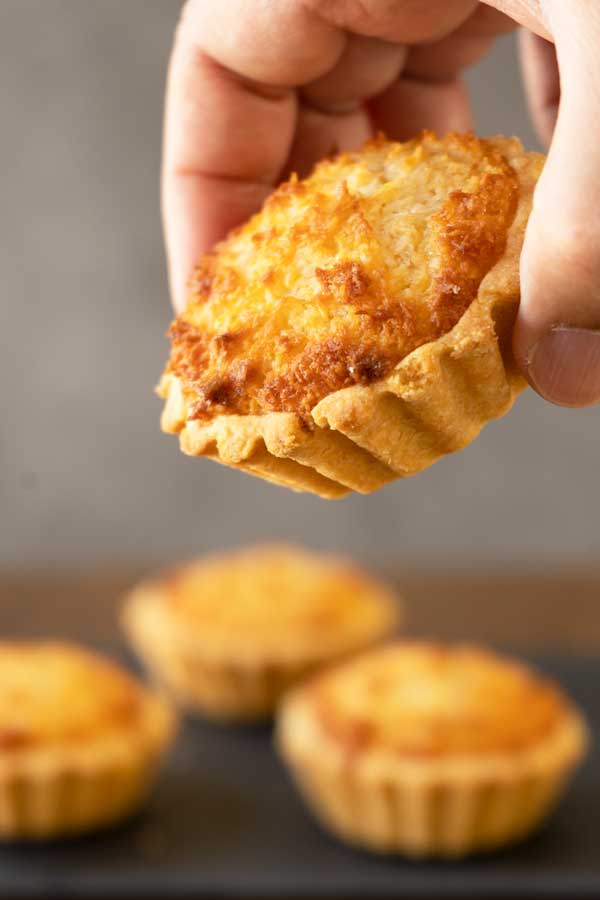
<point>80,740</point>
<point>228,634</point>
<point>426,750</point>
<point>359,327</point>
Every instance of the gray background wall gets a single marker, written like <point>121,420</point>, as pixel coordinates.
<point>85,474</point>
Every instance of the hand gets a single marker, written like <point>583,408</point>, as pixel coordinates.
<point>257,89</point>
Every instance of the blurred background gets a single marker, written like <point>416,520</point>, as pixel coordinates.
<point>500,542</point>
<point>86,477</point>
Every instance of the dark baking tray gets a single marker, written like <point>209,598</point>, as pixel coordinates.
<point>224,822</point>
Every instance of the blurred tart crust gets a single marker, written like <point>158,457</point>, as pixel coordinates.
<point>80,740</point>
<point>359,327</point>
<point>426,750</point>
<point>228,634</point>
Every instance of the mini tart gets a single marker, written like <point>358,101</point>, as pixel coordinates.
<point>359,327</point>
<point>80,740</point>
<point>229,634</point>
<point>427,750</point>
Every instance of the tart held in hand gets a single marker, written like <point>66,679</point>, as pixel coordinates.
<point>359,327</point>
<point>80,740</point>
<point>427,750</point>
<point>229,633</point>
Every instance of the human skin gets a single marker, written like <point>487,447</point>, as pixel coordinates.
<point>258,88</point>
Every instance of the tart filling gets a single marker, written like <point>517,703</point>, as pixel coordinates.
<point>53,694</point>
<point>278,600</point>
<point>341,276</point>
<point>427,701</point>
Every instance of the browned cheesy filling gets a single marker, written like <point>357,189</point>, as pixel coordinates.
<point>427,700</point>
<point>55,693</point>
<point>342,275</point>
<point>274,595</point>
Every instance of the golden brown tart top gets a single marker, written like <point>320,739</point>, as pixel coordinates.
<point>55,693</point>
<point>342,275</point>
<point>426,700</point>
<point>275,595</point>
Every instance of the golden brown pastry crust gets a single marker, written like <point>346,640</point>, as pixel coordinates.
<point>381,370</point>
<point>228,634</point>
<point>440,770</point>
<point>80,740</point>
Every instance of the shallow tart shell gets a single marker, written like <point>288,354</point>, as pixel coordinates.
<point>235,673</point>
<point>434,402</point>
<point>427,807</point>
<point>65,790</point>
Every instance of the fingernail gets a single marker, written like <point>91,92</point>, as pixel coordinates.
<point>564,366</point>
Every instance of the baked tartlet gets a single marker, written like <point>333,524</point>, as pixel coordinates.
<point>359,327</point>
<point>427,750</point>
<point>80,740</point>
<point>228,634</point>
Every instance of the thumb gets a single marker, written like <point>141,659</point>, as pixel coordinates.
<point>557,337</point>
